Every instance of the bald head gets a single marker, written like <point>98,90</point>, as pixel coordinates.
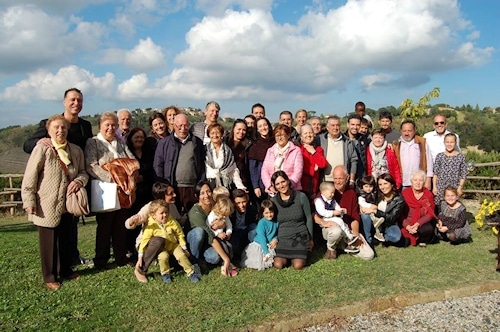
<point>181,126</point>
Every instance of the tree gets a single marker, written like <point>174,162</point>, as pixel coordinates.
<point>410,110</point>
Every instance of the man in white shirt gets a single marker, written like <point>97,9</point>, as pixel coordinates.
<point>435,138</point>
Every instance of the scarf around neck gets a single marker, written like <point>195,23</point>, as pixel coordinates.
<point>61,151</point>
<point>112,147</point>
<point>289,202</point>
<point>379,162</point>
<point>280,154</point>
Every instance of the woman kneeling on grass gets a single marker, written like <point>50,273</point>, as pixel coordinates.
<point>202,243</point>
<point>294,223</point>
<point>166,238</point>
<point>452,224</point>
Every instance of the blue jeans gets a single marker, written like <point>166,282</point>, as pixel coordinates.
<point>392,234</point>
<point>367,227</point>
<point>197,240</point>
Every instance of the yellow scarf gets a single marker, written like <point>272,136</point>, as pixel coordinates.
<point>61,151</point>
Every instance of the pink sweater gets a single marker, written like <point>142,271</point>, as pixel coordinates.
<point>293,166</point>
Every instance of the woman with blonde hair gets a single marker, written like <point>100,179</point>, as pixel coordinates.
<point>52,172</point>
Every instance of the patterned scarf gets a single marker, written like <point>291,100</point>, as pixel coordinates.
<point>280,156</point>
<point>379,162</point>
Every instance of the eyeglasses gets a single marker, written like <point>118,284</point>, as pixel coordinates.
<point>439,123</point>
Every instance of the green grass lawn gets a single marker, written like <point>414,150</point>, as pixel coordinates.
<point>114,300</point>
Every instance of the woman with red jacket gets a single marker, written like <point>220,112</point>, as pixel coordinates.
<point>381,159</point>
<point>314,161</point>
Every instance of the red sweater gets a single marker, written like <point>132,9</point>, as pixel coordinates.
<point>349,201</point>
<point>310,177</point>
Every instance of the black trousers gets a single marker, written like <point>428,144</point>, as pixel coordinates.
<point>111,231</point>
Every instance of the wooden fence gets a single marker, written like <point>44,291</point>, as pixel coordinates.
<point>10,197</point>
<point>492,182</point>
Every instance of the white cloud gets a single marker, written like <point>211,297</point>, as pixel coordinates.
<point>145,56</point>
<point>370,81</point>
<point>44,85</point>
<point>217,8</point>
<point>30,38</point>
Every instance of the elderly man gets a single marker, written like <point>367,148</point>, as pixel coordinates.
<point>124,121</point>
<point>435,138</point>
<point>79,131</point>
<point>259,111</point>
<point>413,154</point>
<point>338,150</point>
<point>180,162</point>
<point>316,125</point>
<point>199,129</point>
<point>361,142</point>
<point>332,233</point>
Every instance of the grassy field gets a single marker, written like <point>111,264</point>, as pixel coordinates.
<point>114,300</point>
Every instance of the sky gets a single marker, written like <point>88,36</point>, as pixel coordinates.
<point>321,55</point>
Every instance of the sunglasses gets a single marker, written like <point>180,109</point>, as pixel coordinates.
<point>439,123</point>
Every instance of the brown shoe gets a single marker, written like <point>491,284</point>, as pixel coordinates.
<point>141,277</point>
<point>53,285</point>
<point>73,276</point>
<point>331,254</point>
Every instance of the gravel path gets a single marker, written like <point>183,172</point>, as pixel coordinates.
<point>475,313</point>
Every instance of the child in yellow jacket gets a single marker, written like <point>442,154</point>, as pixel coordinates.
<point>168,238</point>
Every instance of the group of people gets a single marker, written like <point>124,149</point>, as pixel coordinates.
<point>255,196</point>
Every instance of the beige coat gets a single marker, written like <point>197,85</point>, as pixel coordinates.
<point>45,183</point>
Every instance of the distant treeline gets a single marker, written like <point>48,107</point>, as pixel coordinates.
<point>474,125</point>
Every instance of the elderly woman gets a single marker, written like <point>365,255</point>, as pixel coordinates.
<point>169,113</point>
<point>201,239</point>
<point>418,227</point>
<point>51,173</point>
<point>219,160</point>
<point>257,153</point>
<point>99,151</point>
<point>381,159</point>
<point>295,226</point>
<point>283,156</point>
<point>391,206</point>
<point>158,127</point>
<point>239,144</point>
<point>314,161</point>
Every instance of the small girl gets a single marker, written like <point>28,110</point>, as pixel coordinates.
<point>367,197</point>
<point>162,237</point>
<point>221,210</point>
<point>328,209</point>
<point>259,254</point>
<point>452,223</point>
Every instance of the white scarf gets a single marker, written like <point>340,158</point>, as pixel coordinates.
<point>280,156</point>
<point>112,147</point>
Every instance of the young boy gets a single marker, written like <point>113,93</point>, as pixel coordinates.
<point>328,209</point>
<point>167,238</point>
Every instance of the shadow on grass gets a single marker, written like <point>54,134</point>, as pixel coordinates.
<point>21,227</point>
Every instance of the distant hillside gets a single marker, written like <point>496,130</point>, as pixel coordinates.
<point>13,161</point>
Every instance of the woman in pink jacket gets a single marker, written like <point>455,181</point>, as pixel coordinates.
<point>283,156</point>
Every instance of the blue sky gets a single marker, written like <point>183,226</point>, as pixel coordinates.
<point>286,54</point>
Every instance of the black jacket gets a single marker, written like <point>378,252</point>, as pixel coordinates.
<point>395,212</point>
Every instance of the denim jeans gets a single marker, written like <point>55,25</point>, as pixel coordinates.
<point>392,234</point>
<point>197,240</point>
<point>367,226</point>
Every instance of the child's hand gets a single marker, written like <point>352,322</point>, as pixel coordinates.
<point>221,236</point>
<point>273,244</point>
<point>139,263</point>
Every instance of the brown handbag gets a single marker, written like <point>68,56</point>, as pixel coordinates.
<point>76,203</point>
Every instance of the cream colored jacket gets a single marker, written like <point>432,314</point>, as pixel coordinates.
<point>44,183</point>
